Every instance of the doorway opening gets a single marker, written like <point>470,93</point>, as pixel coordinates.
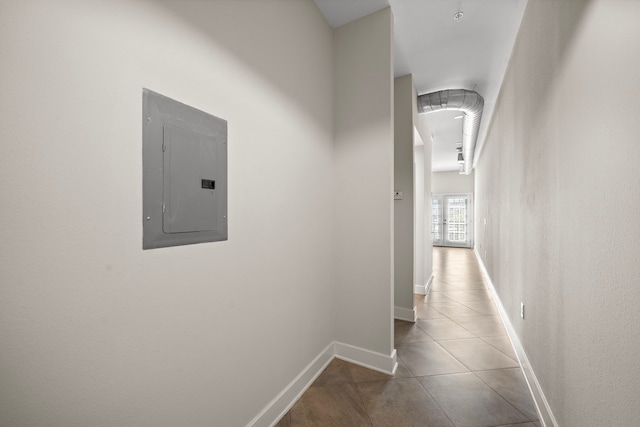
<point>451,220</point>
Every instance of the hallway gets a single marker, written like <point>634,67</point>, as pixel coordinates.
<point>456,366</point>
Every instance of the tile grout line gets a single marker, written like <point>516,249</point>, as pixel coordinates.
<point>445,350</point>
<point>504,398</point>
<point>362,402</point>
<point>484,382</point>
<point>500,351</point>
<point>483,339</point>
<point>474,334</point>
<point>435,401</point>
<point>471,332</point>
<point>458,360</point>
<point>364,405</point>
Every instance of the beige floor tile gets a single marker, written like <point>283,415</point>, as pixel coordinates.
<point>487,307</point>
<point>335,405</point>
<point>469,295</point>
<point>443,329</point>
<point>482,326</point>
<point>511,385</point>
<point>336,373</point>
<point>453,309</point>
<point>408,332</point>
<point>467,284</point>
<point>428,358</point>
<point>458,331</point>
<point>401,402</point>
<point>441,285</point>
<point>469,402</point>
<point>437,296</point>
<point>502,343</point>
<point>477,355</point>
<point>425,312</point>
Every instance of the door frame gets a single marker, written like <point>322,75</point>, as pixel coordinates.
<point>470,216</point>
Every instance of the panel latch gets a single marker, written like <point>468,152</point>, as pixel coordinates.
<point>209,184</point>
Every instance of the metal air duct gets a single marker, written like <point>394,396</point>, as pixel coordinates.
<point>471,105</point>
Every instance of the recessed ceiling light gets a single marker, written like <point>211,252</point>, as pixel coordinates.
<point>458,16</point>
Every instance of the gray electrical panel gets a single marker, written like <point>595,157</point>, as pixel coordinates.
<point>184,153</point>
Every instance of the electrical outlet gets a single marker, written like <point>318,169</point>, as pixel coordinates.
<point>522,310</point>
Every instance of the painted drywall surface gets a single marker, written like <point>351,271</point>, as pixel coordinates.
<point>403,181</point>
<point>96,331</point>
<point>424,135</point>
<point>419,273</point>
<point>451,182</point>
<point>363,182</point>
<point>558,185</point>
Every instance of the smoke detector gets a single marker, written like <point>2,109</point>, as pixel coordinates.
<point>458,16</point>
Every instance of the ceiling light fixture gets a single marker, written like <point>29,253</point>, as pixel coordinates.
<point>458,16</point>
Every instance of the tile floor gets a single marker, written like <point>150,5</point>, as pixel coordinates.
<point>456,366</point>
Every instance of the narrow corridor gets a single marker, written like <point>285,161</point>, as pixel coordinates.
<point>456,365</point>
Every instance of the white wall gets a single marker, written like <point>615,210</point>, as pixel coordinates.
<point>559,186</point>
<point>423,154</point>
<point>363,182</point>
<point>412,217</point>
<point>419,223</point>
<point>404,93</point>
<point>423,255</point>
<point>451,182</point>
<point>94,330</point>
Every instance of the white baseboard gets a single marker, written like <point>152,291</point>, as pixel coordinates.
<point>367,358</point>
<point>407,314</point>
<point>428,285</point>
<point>423,289</point>
<point>547,419</point>
<point>279,406</point>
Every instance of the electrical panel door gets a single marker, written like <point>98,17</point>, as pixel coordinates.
<point>184,174</point>
<point>191,169</point>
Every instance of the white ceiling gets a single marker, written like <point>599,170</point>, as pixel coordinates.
<point>441,53</point>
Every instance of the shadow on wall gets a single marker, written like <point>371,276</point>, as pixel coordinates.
<point>259,48</point>
<point>568,16</point>
<point>253,19</point>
